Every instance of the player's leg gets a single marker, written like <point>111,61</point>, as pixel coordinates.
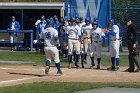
<point>98,51</point>
<point>48,59</point>
<point>70,50</point>
<point>77,48</point>
<point>112,56</point>
<point>116,49</point>
<point>56,59</point>
<point>92,51</point>
<point>85,50</point>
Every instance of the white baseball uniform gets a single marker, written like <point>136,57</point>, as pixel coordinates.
<point>73,32</point>
<point>114,41</point>
<point>96,47</point>
<point>86,30</point>
<point>51,51</point>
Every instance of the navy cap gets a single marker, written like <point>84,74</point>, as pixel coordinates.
<point>95,23</point>
<point>72,19</point>
<point>50,23</point>
<point>42,17</point>
<point>77,20</point>
<point>55,18</point>
<point>87,19</point>
<point>13,17</point>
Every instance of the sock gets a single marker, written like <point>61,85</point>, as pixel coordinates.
<point>113,61</point>
<point>92,60</point>
<point>77,58</point>
<point>57,66</point>
<point>66,51</point>
<point>47,63</point>
<point>85,56</point>
<point>74,54</point>
<point>117,62</point>
<point>99,61</point>
<point>82,57</point>
<point>69,59</point>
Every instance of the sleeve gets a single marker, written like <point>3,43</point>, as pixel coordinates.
<point>42,35</point>
<point>134,34</point>
<point>56,35</point>
<point>18,26</point>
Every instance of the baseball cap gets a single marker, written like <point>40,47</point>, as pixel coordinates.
<point>13,17</point>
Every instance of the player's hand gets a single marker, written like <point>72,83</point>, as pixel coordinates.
<point>104,30</point>
<point>134,46</point>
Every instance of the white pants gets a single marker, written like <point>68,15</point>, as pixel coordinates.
<point>114,48</point>
<point>96,48</point>
<point>73,44</point>
<point>13,38</point>
<point>52,52</point>
<point>86,45</point>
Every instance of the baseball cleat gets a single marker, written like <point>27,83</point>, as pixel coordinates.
<point>92,66</point>
<point>47,70</point>
<point>85,61</point>
<point>77,66</point>
<point>59,72</point>
<point>98,67</point>
<point>112,68</point>
<point>70,66</point>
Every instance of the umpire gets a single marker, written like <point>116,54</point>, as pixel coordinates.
<point>131,37</point>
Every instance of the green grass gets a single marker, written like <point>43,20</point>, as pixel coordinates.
<point>39,58</point>
<point>53,87</point>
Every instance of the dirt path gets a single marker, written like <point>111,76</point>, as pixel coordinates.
<point>13,75</point>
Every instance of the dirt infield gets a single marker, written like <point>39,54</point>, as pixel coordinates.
<point>13,75</point>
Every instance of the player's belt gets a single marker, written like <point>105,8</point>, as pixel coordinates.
<point>49,46</point>
<point>86,37</point>
<point>115,39</point>
<point>73,38</point>
<point>97,41</point>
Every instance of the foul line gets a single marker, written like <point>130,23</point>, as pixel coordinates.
<point>11,81</point>
<point>21,69</point>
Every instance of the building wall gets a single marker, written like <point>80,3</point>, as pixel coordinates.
<point>32,0</point>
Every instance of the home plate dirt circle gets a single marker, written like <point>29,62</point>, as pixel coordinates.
<point>13,75</point>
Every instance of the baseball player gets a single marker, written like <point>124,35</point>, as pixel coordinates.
<point>85,30</point>
<point>96,35</point>
<point>40,28</point>
<point>14,26</point>
<point>74,35</point>
<point>51,40</point>
<point>113,33</point>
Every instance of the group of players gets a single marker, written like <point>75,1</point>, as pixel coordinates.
<point>77,37</point>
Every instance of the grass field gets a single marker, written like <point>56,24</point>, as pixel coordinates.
<point>53,87</point>
<point>39,58</point>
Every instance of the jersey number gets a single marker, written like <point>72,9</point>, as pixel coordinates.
<point>48,34</point>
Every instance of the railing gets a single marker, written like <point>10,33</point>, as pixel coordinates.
<point>20,31</point>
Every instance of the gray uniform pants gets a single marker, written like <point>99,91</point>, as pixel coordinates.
<point>132,59</point>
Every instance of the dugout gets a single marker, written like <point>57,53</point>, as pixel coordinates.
<point>27,13</point>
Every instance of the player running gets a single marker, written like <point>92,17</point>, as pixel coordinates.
<point>51,40</point>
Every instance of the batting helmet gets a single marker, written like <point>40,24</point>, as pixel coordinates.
<point>111,21</point>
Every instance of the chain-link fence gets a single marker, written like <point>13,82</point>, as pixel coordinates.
<point>122,9</point>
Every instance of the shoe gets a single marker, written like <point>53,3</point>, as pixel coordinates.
<point>59,72</point>
<point>47,70</point>
<point>76,64</point>
<point>92,66</point>
<point>85,61</point>
<point>98,67</point>
<point>128,70</point>
<point>69,65</point>
<point>112,68</point>
<point>137,70</point>
<point>117,68</point>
